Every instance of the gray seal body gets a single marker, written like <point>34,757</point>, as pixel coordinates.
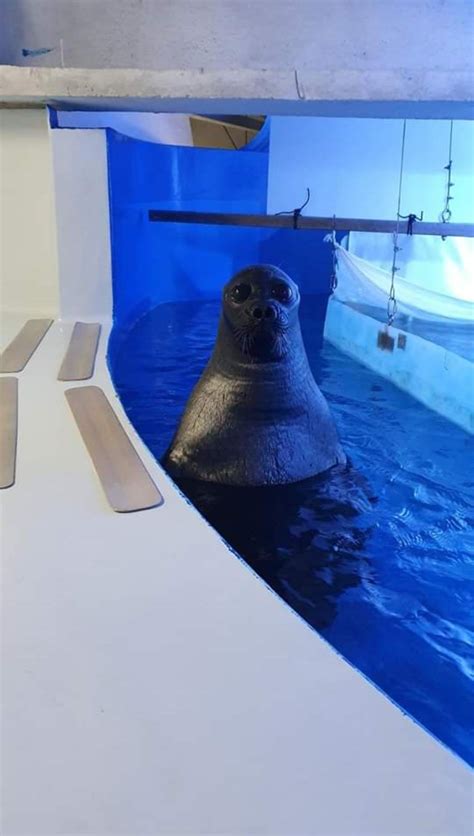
<point>256,416</point>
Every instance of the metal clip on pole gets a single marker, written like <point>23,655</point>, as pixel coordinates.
<point>410,219</point>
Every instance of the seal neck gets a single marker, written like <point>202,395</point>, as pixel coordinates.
<point>228,360</point>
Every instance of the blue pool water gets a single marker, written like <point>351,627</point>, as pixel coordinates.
<point>381,560</point>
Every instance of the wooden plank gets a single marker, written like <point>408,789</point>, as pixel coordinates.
<point>308,222</point>
<point>124,478</point>
<point>8,430</point>
<point>79,360</point>
<point>16,355</point>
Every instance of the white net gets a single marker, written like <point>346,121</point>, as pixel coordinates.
<point>435,278</point>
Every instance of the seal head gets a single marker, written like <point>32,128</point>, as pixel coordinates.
<point>260,305</point>
<point>256,416</point>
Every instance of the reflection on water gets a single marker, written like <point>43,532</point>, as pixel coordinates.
<point>378,558</point>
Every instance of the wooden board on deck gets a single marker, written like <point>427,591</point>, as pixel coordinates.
<point>8,430</point>
<point>79,360</point>
<point>16,355</point>
<point>124,478</point>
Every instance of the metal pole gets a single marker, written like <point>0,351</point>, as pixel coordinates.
<point>307,222</point>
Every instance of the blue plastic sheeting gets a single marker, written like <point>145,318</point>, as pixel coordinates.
<point>156,262</point>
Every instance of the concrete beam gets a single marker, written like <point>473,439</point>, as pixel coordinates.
<point>427,94</point>
<point>411,35</point>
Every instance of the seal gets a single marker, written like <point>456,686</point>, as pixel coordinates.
<point>256,416</point>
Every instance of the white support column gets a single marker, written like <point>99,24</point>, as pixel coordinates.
<point>82,203</point>
<point>29,281</point>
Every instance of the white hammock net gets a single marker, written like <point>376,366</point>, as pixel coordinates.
<point>435,278</point>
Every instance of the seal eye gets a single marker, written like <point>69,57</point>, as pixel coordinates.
<point>240,292</point>
<point>281,292</point>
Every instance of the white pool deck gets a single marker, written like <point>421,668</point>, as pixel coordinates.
<point>152,684</point>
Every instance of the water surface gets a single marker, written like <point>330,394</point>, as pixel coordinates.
<point>381,560</point>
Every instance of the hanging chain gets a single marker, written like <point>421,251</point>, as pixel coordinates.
<point>445,216</point>
<point>333,280</point>
<point>392,301</point>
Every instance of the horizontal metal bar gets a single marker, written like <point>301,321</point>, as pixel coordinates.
<point>309,222</point>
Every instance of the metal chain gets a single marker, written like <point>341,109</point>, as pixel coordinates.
<point>392,301</point>
<point>446,214</point>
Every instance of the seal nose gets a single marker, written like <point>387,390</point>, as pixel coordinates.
<point>268,312</point>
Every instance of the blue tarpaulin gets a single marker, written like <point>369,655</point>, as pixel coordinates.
<point>157,262</point>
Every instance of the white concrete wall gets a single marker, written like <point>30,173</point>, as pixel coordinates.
<point>216,34</point>
<point>28,254</point>
<point>166,128</point>
<point>82,202</point>
<point>352,167</point>
<point>442,380</point>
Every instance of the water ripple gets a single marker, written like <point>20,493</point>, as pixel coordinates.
<point>379,559</point>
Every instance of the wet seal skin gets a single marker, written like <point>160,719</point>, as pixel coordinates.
<point>256,416</point>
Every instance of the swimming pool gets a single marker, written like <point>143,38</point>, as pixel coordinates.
<point>380,562</point>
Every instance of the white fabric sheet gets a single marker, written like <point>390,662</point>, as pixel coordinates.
<point>434,280</point>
